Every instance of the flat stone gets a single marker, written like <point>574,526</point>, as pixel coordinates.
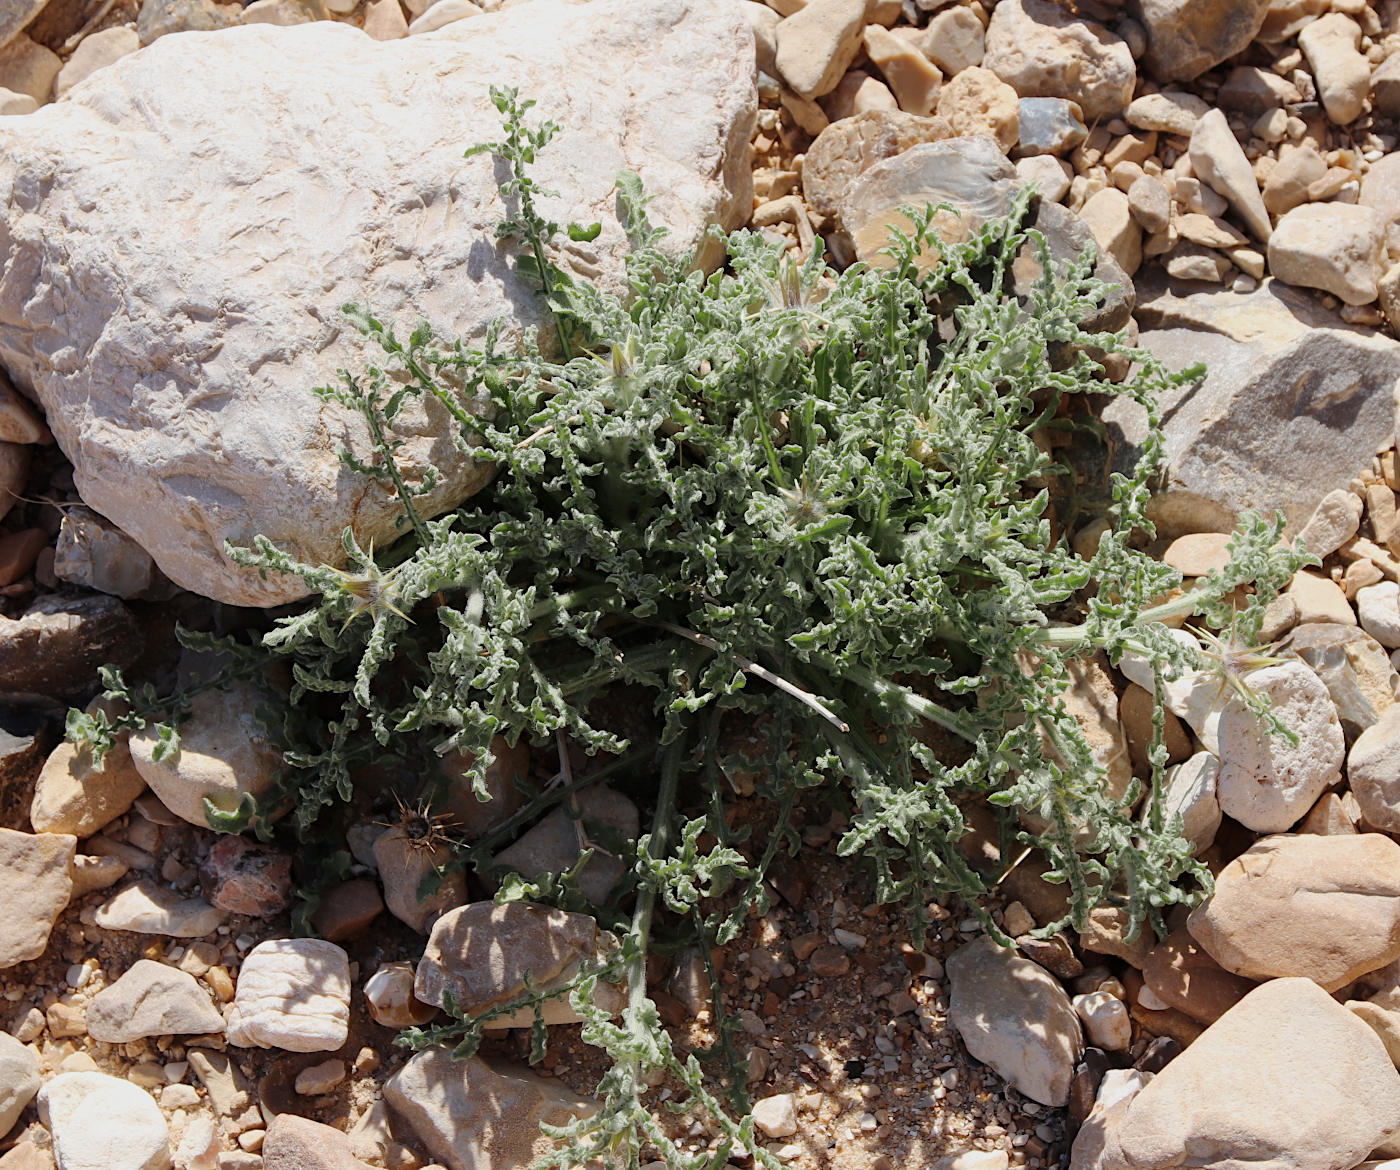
<point>1172,111</point>
<point>1251,90</point>
<point>74,796</point>
<point>1320,599</point>
<point>479,955</point>
<point>152,999</point>
<point>239,315</point>
<point>298,1143</point>
<point>19,1079</point>
<point>1014,1016</point>
<point>472,1115</point>
<point>848,148</point>
<point>346,910</point>
<point>1265,782</point>
<point>55,648</point>
<point>1325,908</point>
<point>1050,175</point>
<point>1293,1103</point>
<point>146,908</point>
<point>1192,795</point>
<point>1292,399</point>
<point>817,44</point>
<point>1187,37</point>
<point>1041,50</point>
<point>1337,247</point>
<point>100,1122</point>
<point>1150,204</point>
<point>225,753</point>
<point>1342,73</point>
<point>34,890</point>
<point>293,993</point>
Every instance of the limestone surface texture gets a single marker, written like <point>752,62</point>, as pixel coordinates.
<point>176,256</point>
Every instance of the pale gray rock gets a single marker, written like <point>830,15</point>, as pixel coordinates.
<point>145,908</point>
<point>1343,75</point>
<point>19,1079</point>
<point>244,260</point>
<point>96,51</point>
<point>99,1122</point>
<point>1187,37</point>
<point>96,554</point>
<point>851,146</point>
<point>35,886</point>
<point>1293,397</point>
<point>1191,794</point>
<point>473,1115</point>
<point>1294,1102</point>
<point>298,1143</point>
<point>225,753</point>
<point>16,103</point>
<point>1334,521</point>
<point>152,999</point>
<point>292,993</point>
<point>1380,187</point>
<point>1336,247</point>
<point>1042,50</point>
<point>954,40</point>
<point>1323,907</point>
<point>1373,770</point>
<point>1219,159</point>
<point>554,845</point>
<point>1354,668</point>
<point>1265,782</point>
<point>1385,87</point>
<point>1048,125</point>
<point>1050,175</point>
<point>479,955</point>
<point>1116,232</point>
<point>1378,610</point>
<point>1288,183</point>
<point>14,16</point>
<point>416,891</point>
<point>158,18</point>
<point>1014,1016</point>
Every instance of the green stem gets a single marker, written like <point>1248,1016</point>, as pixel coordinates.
<point>391,465</point>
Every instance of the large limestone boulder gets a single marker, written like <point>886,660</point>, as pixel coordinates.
<point>1294,400</point>
<point>175,256</point>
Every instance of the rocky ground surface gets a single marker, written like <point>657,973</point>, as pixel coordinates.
<point>1237,165</point>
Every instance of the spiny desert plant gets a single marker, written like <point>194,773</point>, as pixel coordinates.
<point>780,492</point>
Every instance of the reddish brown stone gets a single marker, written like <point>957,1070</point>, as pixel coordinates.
<point>1181,973</point>
<point>347,909</point>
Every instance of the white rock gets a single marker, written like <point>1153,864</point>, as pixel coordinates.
<point>35,886</point>
<point>146,908</point>
<point>1191,794</point>
<point>187,410</point>
<point>1106,1021</point>
<point>1334,522</point>
<point>954,40</point>
<point>293,993</point>
<point>1197,696</point>
<point>1265,782</point>
<point>151,999</point>
<point>441,14</point>
<point>96,51</point>
<point>1218,158</point>
<point>19,1079</point>
<point>1052,175</point>
<point>283,13</point>
<point>1171,112</point>
<point>224,753</point>
<point>1342,72</point>
<point>1373,770</point>
<point>97,555</point>
<point>13,104</point>
<point>1378,607</point>
<point>103,1123</point>
<point>1337,247</point>
<point>389,997</point>
<point>976,1160</point>
<point>1320,599</point>
<point>776,1116</point>
<point>1013,1015</point>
